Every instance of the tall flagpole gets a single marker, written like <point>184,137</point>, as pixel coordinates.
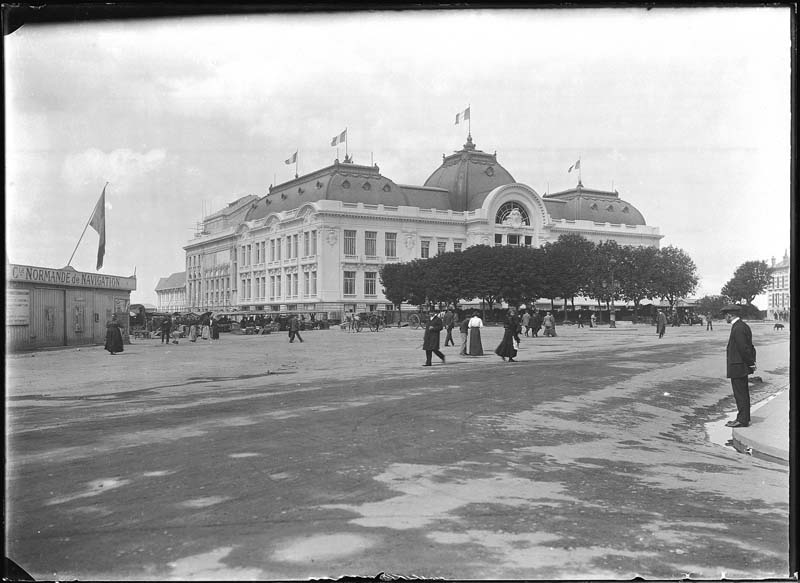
<point>469,121</point>
<point>296,162</point>
<point>84,231</point>
<point>346,141</point>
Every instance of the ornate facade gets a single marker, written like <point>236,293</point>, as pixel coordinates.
<point>317,243</point>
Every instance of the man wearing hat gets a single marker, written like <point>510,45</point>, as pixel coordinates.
<point>741,361</point>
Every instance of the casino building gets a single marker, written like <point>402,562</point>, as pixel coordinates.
<point>317,243</point>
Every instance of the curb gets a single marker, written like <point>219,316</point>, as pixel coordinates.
<point>767,435</point>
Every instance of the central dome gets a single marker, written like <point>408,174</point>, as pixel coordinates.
<point>469,175</point>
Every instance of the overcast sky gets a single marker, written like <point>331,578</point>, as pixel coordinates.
<point>686,112</point>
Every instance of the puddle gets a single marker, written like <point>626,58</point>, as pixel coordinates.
<point>203,502</point>
<point>209,566</point>
<point>322,547</point>
<point>95,488</point>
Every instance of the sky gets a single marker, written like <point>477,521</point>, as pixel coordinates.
<point>685,112</point>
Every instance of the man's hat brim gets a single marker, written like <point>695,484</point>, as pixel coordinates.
<point>731,308</point>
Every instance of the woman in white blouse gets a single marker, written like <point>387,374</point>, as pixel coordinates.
<point>474,346</point>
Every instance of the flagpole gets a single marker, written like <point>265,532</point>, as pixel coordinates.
<point>84,232</point>
<point>579,170</point>
<point>296,162</point>
<point>469,124</point>
<point>346,141</point>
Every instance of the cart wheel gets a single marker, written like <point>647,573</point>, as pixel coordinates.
<point>359,324</point>
<point>414,321</point>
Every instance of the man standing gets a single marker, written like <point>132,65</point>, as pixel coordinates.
<point>709,324</point>
<point>449,323</point>
<point>526,322</point>
<point>430,343</point>
<point>661,323</point>
<point>166,327</point>
<point>741,361</point>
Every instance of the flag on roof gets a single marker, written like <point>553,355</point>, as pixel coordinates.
<point>339,139</point>
<point>575,166</point>
<point>292,159</point>
<point>462,116</point>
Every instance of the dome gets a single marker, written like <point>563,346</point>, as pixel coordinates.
<point>599,206</point>
<point>469,175</point>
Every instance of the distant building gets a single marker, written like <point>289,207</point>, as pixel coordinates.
<point>317,243</point>
<point>171,293</point>
<point>778,292</point>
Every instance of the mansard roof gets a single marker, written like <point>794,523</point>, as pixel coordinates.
<point>176,280</point>
<point>346,182</point>
<point>588,204</point>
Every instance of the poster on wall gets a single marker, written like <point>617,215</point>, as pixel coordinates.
<point>18,307</point>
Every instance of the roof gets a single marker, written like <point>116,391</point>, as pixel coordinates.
<point>587,204</point>
<point>173,281</point>
<point>343,181</point>
<point>232,206</point>
<point>469,175</point>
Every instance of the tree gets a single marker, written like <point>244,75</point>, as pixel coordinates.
<point>675,275</point>
<point>636,273</point>
<point>568,259</point>
<point>487,267</point>
<point>395,279</point>
<point>750,279</point>
<point>712,304</point>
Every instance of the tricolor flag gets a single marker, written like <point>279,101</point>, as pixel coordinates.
<point>339,139</point>
<point>292,159</point>
<point>575,166</point>
<point>462,116</point>
<point>98,223</point>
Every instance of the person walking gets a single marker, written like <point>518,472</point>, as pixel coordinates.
<point>294,329</point>
<point>192,332</point>
<point>463,328</point>
<point>474,345</point>
<point>214,328</point>
<point>166,327</point>
<point>549,325</point>
<point>580,319</point>
<point>592,320</point>
<point>661,323</point>
<point>740,362</point>
<point>526,322</point>
<point>113,336</point>
<point>449,321</point>
<point>709,324</point>
<point>430,342</point>
<point>536,323</point>
<point>516,328</point>
<point>506,347</point>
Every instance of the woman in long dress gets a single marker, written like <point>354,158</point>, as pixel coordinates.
<point>474,346</point>
<point>214,329</point>
<point>192,332</point>
<point>506,347</point>
<point>113,337</point>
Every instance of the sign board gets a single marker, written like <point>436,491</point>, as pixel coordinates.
<point>68,277</point>
<point>18,307</point>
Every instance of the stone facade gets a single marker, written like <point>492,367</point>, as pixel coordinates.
<point>317,243</point>
<point>779,299</point>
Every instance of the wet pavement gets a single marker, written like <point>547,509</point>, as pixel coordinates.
<point>253,458</point>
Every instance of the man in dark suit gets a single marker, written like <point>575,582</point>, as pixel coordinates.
<point>741,361</point>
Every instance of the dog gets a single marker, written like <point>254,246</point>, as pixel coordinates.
<point>778,326</point>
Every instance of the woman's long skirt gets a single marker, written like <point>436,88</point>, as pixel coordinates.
<point>474,346</point>
<point>192,333</point>
<point>206,332</point>
<point>506,347</point>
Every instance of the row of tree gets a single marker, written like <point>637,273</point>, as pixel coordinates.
<point>570,267</point>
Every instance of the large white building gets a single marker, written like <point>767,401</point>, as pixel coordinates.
<point>317,243</point>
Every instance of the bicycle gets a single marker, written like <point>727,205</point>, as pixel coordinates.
<point>416,320</point>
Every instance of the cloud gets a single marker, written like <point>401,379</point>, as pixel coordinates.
<point>120,167</point>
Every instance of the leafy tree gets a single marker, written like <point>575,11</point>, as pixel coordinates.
<point>750,279</point>
<point>635,273</point>
<point>602,282</point>
<point>675,275</point>
<point>712,304</point>
<point>568,260</point>
<point>448,275</point>
<point>486,270</point>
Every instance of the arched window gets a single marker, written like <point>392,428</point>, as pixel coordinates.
<point>510,213</point>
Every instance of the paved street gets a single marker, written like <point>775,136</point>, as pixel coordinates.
<point>253,458</point>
